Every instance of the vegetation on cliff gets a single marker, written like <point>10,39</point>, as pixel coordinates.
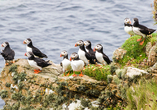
<point>136,53</point>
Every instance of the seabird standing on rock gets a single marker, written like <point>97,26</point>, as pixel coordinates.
<point>7,53</point>
<point>76,63</point>
<point>36,63</point>
<point>141,30</point>
<point>100,56</point>
<point>66,64</point>
<point>83,54</point>
<point>128,27</point>
<point>34,50</point>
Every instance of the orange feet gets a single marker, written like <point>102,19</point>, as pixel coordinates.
<point>139,39</point>
<point>141,43</point>
<point>67,74</point>
<point>81,75</point>
<point>74,75</point>
<point>36,71</point>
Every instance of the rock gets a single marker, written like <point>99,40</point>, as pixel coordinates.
<point>131,72</point>
<point>152,56</point>
<point>148,47</point>
<point>118,54</point>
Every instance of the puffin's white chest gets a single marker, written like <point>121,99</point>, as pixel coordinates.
<point>136,30</point>
<point>34,64</point>
<point>129,30</point>
<point>82,56</point>
<point>66,65</point>
<point>77,65</point>
<point>28,49</point>
<point>99,57</point>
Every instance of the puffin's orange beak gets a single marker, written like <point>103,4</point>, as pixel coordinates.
<point>2,45</point>
<point>76,45</point>
<point>70,59</point>
<point>24,42</point>
<point>94,49</point>
<point>130,22</point>
<point>60,55</point>
<point>25,54</point>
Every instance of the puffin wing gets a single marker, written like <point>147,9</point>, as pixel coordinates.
<point>42,63</point>
<point>89,57</point>
<point>38,53</point>
<point>145,30</point>
<point>106,59</point>
<point>11,55</point>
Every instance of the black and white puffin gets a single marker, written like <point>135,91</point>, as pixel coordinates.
<point>36,63</point>
<point>76,64</point>
<point>83,54</point>
<point>89,47</point>
<point>66,64</point>
<point>141,30</point>
<point>100,56</point>
<point>7,53</point>
<point>34,50</point>
<point>128,27</point>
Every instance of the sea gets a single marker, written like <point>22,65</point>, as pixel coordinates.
<point>56,25</point>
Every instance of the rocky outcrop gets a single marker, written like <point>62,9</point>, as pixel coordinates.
<point>118,54</point>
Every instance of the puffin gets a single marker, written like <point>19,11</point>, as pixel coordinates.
<point>7,53</point>
<point>141,30</point>
<point>128,27</point>
<point>83,54</point>
<point>34,50</point>
<point>89,48</point>
<point>66,64</point>
<point>36,63</point>
<point>77,64</point>
<point>100,56</point>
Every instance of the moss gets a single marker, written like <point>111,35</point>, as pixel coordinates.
<point>135,52</point>
<point>16,95</point>
<point>97,72</point>
<point>22,76</point>
<point>4,94</point>
<point>116,79</point>
<point>85,102</point>
<point>7,84</point>
<point>20,85</point>
<point>13,68</point>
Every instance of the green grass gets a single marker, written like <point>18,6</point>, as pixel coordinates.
<point>135,52</point>
<point>97,72</point>
<point>142,96</point>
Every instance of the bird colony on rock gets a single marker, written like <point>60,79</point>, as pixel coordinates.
<point>85,56</point>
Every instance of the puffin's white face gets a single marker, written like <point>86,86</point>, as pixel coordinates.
<point>63,53</point>
<point>98,47</point>
<point>86,43</point>
<point>127,21</point>
<point>27,41</point>
<point>74,55</point>
<point>28,54</point>
<point>4,44</point>
<point>79,43</point>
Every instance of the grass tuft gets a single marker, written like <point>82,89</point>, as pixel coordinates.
<point>97,72</point>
